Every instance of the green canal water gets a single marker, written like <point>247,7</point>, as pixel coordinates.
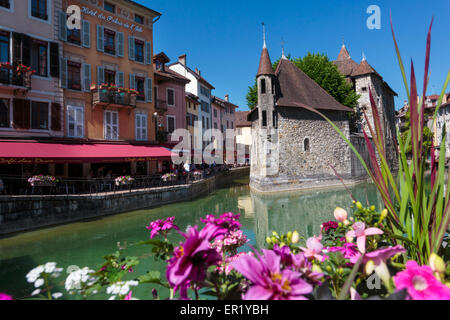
<point>85,243</point>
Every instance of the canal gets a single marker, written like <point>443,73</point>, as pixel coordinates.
<point>85,243</point>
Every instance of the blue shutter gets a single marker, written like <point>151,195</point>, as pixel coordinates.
<point>86,34</point>
<point>148,53</point>
<point>120,44</point>
<point>63,72</point>
<point>148,89</point>
<point>120,79</point>
<point>132,81</point>
<point>87,77</point>
<point>62,26</point>
<point>100,75</point>
<point>131,51</point>
<point>100,39</point>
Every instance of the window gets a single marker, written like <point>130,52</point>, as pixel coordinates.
<point>110,77</point>
<point>111,125</point>
<point>264,119</point>
<point>74,75</point>
<point>4,46</point>
<point>39,115</point>
<point>232,125</point>
<point>75,121</point>
<point>110,44</point>
<point>4,113</point>
<point>140,87</point>
<point>306,145</point>
<point>215,125</point>
<point>39,9</point>
<point>170,124</point>
<point>74,36</point>
<point>215,113</point>
<point>263,86</point>
<point>39,57</point>
<point>110,7</point>
<point>170,97</point>
<point>5,4</point>
<point>139,19</point>
<point>204,91</point>
<point>139,50</point>
<point>141,127</point>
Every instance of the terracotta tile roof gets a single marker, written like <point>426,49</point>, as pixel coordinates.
<point>343,54</point>
<point>241,119</point>
<point>192,97</point>
<point>298,89</point>
<point>364,68</point>
<point>222,102</point>
<point>345,63</point>
<point>265,66</point>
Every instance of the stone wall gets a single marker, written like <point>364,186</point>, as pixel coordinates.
<point>24,213</point>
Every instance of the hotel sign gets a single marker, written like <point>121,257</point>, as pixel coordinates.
<point>95,13</point>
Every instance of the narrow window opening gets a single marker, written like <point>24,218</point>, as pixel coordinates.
<point>306,145</point>
<point>264,119</point>
<point>263,85</point>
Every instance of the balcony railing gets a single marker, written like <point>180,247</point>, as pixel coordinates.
<point>107,97</point>
<point>161,106</point>
<point>10,76</point>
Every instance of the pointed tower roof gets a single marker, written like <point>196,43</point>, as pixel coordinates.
<point>343,55</point>
<point>364,68</point>
<point>265,66</point>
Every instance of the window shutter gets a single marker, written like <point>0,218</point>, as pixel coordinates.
<point>148,53</point>
<point>120,44</point>
<point>131,52</point>
<point>100,75</point>
<point>54,59</point>
<point>21,114</point>
<point>56,117</point>
<point>87,77</point>
<point>120,79</point>
<point>100,39</point>
<point>86,34</point>
<point>63,26</point>
<point>132,81</point>
<point>63,72</point>
<point>148,90</point>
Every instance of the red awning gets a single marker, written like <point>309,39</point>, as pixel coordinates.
<point>38,152</point>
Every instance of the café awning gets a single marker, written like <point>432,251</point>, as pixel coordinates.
<point>25,152</point>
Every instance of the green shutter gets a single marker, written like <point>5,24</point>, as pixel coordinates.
<point>148,90</point>
<point>63,72</point>
<point>87,77</point>
<point>120,79</point>
<point>86,34</point>
<point>120,44</point>
<point>148,53</point>
<point>131,51</point>
<point>100,75</point>
<point>132,81</point>
<point>62,26</point>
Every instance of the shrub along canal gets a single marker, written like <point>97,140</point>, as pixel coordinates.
<point>85,243</point>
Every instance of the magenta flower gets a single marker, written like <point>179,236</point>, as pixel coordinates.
<point>421,283</point>
<point>269,282</point>
<point>161,226</point>
<point>128,297</point>
<point>230,242</point>
<point>314,249</point>
<point>379,256</point>
<point>348,250</point>
<point>330,225</point>
<point>4,296</point>
<point>227,221</point>
<point>193,257</point>
<point>360,233</point>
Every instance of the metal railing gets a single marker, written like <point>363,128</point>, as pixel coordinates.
<point>113,97</point>
<point>10,76</point>
<point>18,186</point>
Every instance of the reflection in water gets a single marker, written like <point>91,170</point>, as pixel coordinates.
<point>85,243</point>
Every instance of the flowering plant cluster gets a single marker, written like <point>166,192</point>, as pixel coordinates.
<point>24,69</point>
<point>41,179</point>
<point>112,88</point>
<point>124,180</point>
<point>169,177</point>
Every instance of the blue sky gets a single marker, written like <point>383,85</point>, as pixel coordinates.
<point>223,39</point>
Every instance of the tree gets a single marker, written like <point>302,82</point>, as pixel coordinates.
<point>427,136</point>
<point>319,68</point>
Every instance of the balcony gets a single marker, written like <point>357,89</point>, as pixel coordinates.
<point>105,98</point>
<point>161,106</point>
<point>13,76</point>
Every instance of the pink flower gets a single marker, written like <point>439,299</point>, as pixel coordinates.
<point>348,250</point>
<point>227,221</point>
<point>4,296</point>
<point>269,282</point>
<point>340,214</point>
<point>360,233</point>
<point>128,297</point>
<point>421,283</point>
<point>379,256</point>
<point>314,249</point>
<point>161,226</point>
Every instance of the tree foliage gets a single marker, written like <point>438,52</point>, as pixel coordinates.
<point>320,69</point>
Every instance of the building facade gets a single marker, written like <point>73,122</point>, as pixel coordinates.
<point>200,88</point>
<point>192,108</point>
<point>244,133</point>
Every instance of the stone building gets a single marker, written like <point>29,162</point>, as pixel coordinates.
<point>363,76</point>
<point>292,146</point>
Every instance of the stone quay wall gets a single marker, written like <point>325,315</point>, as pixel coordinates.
<point>25,213</point>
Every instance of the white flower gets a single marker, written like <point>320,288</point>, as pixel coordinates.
<point>57,295</point>
<point>76,279</point>
<point>50,267</point>
<point>121,288</point>
<point>39,283</point>
<point>36,292</point>
<point>112,298</point>
<point>34,274</point>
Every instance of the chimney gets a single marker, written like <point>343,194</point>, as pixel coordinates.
<point>227,98</point>
<point>197,71</point>
<point>182,59</point>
